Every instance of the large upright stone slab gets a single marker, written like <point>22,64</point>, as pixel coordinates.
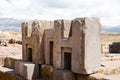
<point>61,34</point>
<point>86,45</point>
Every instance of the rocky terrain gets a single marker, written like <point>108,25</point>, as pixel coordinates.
<point>109,38</point>
<point>9,46</point>
<point>12,50</point>
<point>10,35</point>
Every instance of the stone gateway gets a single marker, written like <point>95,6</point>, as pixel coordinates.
<point>60,49</point>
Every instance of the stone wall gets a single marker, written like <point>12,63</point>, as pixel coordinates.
<point>32,36</point>
<point>114,47</point>
<point>72,45</point>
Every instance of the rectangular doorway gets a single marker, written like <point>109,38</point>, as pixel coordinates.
<point>39,70</point>
<point>51,52</point>
<point>67,61</point>
<point>30,54</point>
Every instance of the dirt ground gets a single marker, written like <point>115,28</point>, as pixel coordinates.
<point>12,50</point>
<point>110,67</point>
<point>110,62</point>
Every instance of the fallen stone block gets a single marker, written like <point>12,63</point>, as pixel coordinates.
<point>10,62</point>
<point>31,71</point>
<point>17,67</point>
<point>21,68</point>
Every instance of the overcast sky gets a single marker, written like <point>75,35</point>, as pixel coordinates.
<point>107,10</point>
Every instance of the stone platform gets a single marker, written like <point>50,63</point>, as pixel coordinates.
<point>110,70</point>
<point>8,74</point>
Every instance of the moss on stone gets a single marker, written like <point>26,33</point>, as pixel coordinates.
<point>9,62</point>
<point>47,72</point>
<point>5,76</point>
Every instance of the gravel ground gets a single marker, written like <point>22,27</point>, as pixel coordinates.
<point>12,50</point>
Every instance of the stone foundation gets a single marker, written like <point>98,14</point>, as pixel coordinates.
<point>2,58</point>
<point>63,75</point>
<point>27,70</point>
<point>10,62</point>
<point>8,74</point>
<point>47,72</point>
<point>4,76</point>
<point>31,71</point>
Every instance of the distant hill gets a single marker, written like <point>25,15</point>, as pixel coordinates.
<point>114,29</point>
<point>10,24</point>
<point>14,25</point>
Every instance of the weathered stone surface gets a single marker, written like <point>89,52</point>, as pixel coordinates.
<point>3,43</point>
<point>72,45</point>
<point>33,37</point>
<point>2,58</point>
<point>9,62</point>
<point>17,67</point>
<point>27,70</point>
<point>47,72</point>
<point>61,40</point>
<point>86,55</point>
<point>21,68</point>
<point>31,71</point>
<point>49,34</point>
<point>114,47</point>
<point>63,75</point>
<point>8,74</point>
<point>12,41</point>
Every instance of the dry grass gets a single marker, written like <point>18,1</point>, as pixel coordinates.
<point>107,39</point>
<point>10,35</point>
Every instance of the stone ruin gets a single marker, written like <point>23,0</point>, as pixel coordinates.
<point>3,43</point>
<point>114,47</point>
<point>60,49</point>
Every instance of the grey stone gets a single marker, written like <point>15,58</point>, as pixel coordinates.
<point>31,71</point>
<point>86,45</point>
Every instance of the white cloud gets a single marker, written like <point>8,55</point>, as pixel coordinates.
<point>107,10</point>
